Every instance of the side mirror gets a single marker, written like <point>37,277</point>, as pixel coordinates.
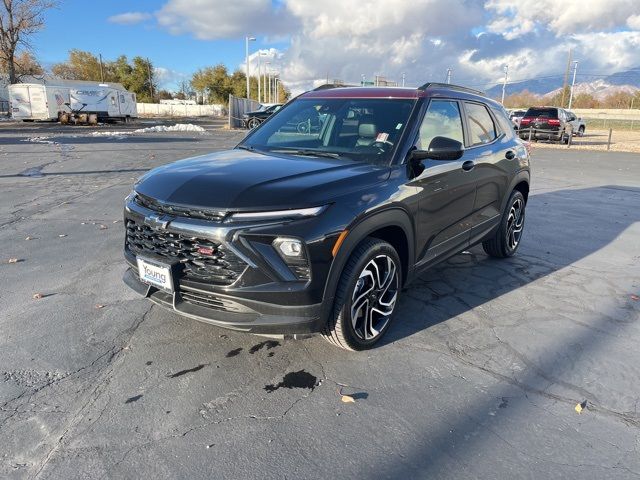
<point>444,148</point>
<point>440,148</point>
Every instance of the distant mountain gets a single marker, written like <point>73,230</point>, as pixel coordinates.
<point>599,89</point>
<point>627,81</point>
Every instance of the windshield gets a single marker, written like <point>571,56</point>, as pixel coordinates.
<point>361,130</point>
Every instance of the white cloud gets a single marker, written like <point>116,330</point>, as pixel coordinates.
<point>129,18</point>
<point>215,19</point>
<point>516,18</point>
<point>344,39</point>
<point>634,22</point>
<point>169,79</point>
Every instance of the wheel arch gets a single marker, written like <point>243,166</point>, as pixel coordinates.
<point>519,182</point>
<point>393,226</point>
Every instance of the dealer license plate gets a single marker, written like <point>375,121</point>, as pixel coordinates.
<point>155,274</point>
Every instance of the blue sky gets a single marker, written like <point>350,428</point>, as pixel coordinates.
<point>180,53</point>
<point>306,40</point>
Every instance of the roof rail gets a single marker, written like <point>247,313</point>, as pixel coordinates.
<point>450,86</point>
<point>327,86</point>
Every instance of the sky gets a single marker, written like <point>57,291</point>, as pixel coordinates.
<point>308,41</point>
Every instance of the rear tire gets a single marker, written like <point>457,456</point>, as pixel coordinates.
<point>581,131</point>
<point>507,238</point>
<point>366,297</point>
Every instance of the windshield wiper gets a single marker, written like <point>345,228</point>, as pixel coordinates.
<point>306,152</point>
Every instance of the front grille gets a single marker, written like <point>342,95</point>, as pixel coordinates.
<point>160,207</point>
<point>221,267</point>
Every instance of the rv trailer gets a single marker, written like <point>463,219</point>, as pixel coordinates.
<point>72,101</point>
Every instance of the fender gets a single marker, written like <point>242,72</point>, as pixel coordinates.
<point>522,175</point>
<point>358,231</point>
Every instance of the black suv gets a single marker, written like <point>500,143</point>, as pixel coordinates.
<point>300,230</point>
<point>546,123</point>
<point>253,119</point>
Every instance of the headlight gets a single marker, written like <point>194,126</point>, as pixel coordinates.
<point>277,214</point>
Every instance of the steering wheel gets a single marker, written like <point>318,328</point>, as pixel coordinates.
<point>382,145</point>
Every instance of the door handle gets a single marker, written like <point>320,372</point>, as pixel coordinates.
<point>468,165</point>
<point>510,155</point>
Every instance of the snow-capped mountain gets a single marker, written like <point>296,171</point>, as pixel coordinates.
<point>627,81</point>
<point>600,89</point>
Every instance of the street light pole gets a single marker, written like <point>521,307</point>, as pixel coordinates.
<point>247,39</point>
<point>403,76</point>
<point>448,75</point>
<point>364,79</point>
<point>573,82</point>
<point>264,90</point>
<point>504,83</point>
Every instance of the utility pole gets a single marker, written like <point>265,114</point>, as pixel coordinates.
<point>403,76</point>
<point>504,83</point>
<point>448,75</point>
<point>150,82</point>
<point>573,83</point>
<point>364,79</point>
<point>247,39</point>
<point>101,72</point>
<point>566,79</point>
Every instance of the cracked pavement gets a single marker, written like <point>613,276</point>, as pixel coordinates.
<point>477,378</point>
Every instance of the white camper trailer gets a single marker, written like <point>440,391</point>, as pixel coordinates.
<point>72,101</point>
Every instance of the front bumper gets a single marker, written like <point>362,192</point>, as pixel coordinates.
<point>262,295</point>
<point>232,312</point>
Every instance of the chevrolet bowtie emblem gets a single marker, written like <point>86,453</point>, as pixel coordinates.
<point>158,221</point>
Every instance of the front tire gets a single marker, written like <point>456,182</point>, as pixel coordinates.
<point>581,131</point>
<point>507,238</point>
<point>367,296</point>
<point>253,123</point>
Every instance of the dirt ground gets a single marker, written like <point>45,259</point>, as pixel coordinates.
<point>621,141</point>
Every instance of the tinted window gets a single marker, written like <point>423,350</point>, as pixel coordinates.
<point>504,122</point>
<point>481,127</point>
<point>542,112</point>
<point>351,129</point>
<point>441,120</point>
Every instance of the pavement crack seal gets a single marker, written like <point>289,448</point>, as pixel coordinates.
<point>626,418</point>
<point>101,384</point>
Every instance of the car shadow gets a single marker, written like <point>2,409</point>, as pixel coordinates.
<point>556,237</point>
<point>560,230</point>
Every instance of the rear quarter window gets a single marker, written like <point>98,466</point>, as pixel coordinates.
<point>504,123</point>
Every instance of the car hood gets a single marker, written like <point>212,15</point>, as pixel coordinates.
<point>248,114</point>
<point>242,180</point>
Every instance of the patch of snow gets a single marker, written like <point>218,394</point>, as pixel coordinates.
<point>178,127</point>
<point>44,140</point>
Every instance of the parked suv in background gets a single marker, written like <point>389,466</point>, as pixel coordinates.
<point>253,119</point>
<point>578,126</point>
<point>516,117</point>
<point>546,123</point>
<point>303,230</point>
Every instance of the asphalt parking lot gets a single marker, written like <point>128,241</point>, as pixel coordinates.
<point>479,376</point>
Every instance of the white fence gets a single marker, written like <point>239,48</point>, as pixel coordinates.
<point>160,109</point>
<point>608,113</point>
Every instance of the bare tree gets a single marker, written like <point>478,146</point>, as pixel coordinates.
<point>19,19</point>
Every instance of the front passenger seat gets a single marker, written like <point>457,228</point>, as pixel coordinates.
<point>367,133</point>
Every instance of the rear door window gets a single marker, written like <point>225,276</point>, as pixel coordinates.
<point>481,127</point>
